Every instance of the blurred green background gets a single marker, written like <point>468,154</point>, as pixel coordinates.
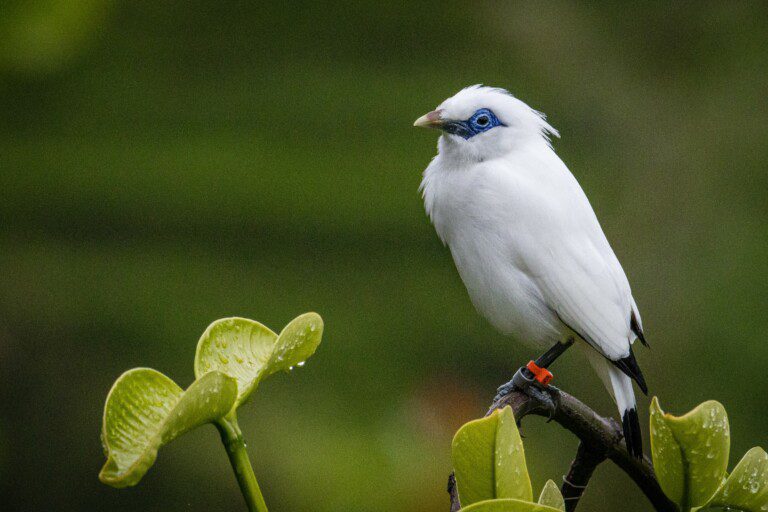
<point>164,164</point>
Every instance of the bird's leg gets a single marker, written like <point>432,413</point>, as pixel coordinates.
<point>530,379</point>
<point>551,355</point>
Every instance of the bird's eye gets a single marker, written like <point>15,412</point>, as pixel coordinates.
<point>483,120</point>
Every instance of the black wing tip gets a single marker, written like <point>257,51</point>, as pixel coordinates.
<point>635,326</point>
<point>629,366</point>
<point>633,438</point>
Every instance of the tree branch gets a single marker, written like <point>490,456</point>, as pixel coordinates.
<point>453,492</point>
<point>583,465</point>
<point>601,438</point>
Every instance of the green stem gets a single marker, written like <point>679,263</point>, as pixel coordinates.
<point>233,440</point>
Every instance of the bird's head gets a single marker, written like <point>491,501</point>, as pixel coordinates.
<point>482,122</point>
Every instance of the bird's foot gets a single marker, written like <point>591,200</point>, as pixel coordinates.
<point>521,381</point>
<point>543,400</point>
<point>532,382</point>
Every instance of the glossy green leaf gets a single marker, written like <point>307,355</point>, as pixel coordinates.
<point>248,351</point>
<point>145,410</point>
<point>508,505</point>
<point>666,455</point>
<point>551,496</point>
<point>747,487</point>
<point>489,460</point>
<point>690,452</point>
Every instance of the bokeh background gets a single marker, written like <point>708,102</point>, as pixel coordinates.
<point>164,164</point>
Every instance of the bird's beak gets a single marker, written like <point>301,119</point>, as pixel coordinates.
<point>432,120</point>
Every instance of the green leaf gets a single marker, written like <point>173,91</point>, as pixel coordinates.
<point>690,452</point>
<point>489,460</point>
<point>551,496</point>
<point>145,410</point>
<point>248,351</point>
<point>747,487</point>
<point>507,505</point>
<point>666,455</point>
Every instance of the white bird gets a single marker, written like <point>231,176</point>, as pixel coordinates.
<point>526,241</point>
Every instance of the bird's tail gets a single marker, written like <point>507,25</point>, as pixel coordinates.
<point>621,385</point>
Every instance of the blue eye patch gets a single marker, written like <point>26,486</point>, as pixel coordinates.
<point>481,121</point>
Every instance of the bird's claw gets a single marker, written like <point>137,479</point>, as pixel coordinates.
<point>543,399</point>
<point>525,382</point>
<point>520,381</point>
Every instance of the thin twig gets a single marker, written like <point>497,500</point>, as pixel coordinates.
<point>453,493</point>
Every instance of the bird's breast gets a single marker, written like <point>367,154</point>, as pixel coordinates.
<point>483,218</point>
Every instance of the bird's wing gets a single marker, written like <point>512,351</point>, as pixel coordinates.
<point>559,243</point>
<point>587,289</point>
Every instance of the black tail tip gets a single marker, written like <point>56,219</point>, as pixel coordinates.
<point>632,437</point>
<point>629,366</point>
<point>634,324</point>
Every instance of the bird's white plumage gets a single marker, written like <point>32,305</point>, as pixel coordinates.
<point>523,235</point>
